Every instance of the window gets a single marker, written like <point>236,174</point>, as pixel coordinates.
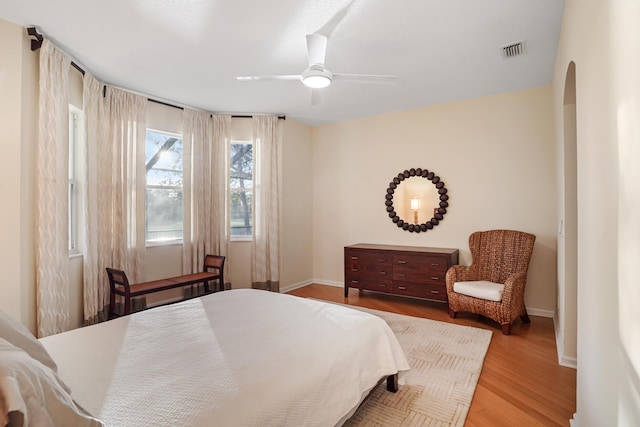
<point>241,190</point>
<point>164,187</point>
<point>74,196</point>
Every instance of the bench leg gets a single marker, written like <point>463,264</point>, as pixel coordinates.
<point>127,306</point>
<point>112,305</point>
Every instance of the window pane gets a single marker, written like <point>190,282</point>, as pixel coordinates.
<point>241,161</point>
<point>73,187</point>
<point>164,214</point>
<point>241,208</point>
<point>164,178</point>
<point>241,183</point>
<point>164,187</point>
<point>241,189</point>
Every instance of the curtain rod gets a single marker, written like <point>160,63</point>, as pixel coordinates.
<point>235,116</point>
<point>37,44</point>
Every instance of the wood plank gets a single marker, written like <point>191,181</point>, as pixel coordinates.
<point>521,381</point>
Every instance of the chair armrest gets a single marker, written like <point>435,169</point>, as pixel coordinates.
<point>460,273</point>
<point>514,286</point>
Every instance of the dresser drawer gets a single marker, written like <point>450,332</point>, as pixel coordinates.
<point>430,278</point>
<point>378,286</point>
<point>367,259</point>
<point>367,263</point>
<point>418,268</point>
<point>420,290</point>
<point>368,284</point>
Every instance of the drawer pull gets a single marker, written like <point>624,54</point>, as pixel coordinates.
<point>435,292</point>
<point>354,269</point>
<point>354,257</point>
<point>402,262</point>
<point>402,288</point>
<point>382,286</point>
<point>383,272</point>
<point>435,278</point>
<point>355,281</point>
<point>402,275</point>
<point>435,264</point>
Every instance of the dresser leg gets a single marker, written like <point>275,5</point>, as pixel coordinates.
<point>346,291</point>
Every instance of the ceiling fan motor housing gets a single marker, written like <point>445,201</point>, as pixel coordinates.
<point>316,76</point>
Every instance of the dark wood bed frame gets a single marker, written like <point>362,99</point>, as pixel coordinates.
<point>392,383</point>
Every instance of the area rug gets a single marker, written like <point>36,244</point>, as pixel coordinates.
<point>445,361</point>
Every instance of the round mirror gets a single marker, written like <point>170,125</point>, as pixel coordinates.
<point>414,196</point>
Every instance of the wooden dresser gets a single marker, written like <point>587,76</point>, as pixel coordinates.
<point>411,271</point>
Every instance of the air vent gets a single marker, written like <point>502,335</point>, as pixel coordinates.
<point>513,49</point>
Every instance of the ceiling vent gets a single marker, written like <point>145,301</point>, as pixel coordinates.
<point>513,49</point>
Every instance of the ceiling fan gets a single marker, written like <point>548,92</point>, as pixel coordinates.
<point>316,75</point>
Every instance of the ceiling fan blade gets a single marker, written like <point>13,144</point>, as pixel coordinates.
<point>366,78</point>
<point>316,48</point>
<point>263,78</point>
<point>335,20</point>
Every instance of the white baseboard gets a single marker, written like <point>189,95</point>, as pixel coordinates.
<point>569,362</point>
<point>308,282</point>
<point>573,422</point>
<point>329,283</point>
<point>295,286</point>
<point>540,312</point>
<point>563,360</point>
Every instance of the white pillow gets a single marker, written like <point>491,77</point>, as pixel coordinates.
<point>31,394</point>
<point>17,334</point>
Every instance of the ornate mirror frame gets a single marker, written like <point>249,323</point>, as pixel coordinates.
<point>438,212</point>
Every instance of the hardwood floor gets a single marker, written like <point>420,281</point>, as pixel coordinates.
<point>521,383</point>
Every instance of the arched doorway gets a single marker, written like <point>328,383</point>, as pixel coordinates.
<point>568,228</point>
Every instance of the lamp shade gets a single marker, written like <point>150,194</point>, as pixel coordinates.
<point>415,204</point>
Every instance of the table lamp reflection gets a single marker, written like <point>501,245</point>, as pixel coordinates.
<point>415,207</point>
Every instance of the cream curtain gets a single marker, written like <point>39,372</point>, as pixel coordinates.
<point>205,140</point>
<point>52,193</point>
<point>97,249</point>
<point>114,191</point>
<point>265,247</point>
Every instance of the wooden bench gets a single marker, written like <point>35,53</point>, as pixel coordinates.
<point>119,284</point>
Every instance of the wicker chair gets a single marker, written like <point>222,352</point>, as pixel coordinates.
<point>500,258</point>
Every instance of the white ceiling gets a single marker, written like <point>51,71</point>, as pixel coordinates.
<point>188,52</point>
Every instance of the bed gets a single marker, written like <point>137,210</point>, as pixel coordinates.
<point>234,358</point>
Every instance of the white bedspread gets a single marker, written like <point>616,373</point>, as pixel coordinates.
<point>233,358</point>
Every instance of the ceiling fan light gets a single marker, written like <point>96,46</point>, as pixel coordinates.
<point>316,81</point>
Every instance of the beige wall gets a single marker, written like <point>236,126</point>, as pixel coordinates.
<point>495,154</point>
<point>603,40</point>
<point>18,74</point>
<point>296,244</point>
<point>11,138</point>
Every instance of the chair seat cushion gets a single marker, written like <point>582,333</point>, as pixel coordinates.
<point>480,289</point>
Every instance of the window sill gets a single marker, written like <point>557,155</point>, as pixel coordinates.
<point>241,239</point>
<point>164,243</point>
